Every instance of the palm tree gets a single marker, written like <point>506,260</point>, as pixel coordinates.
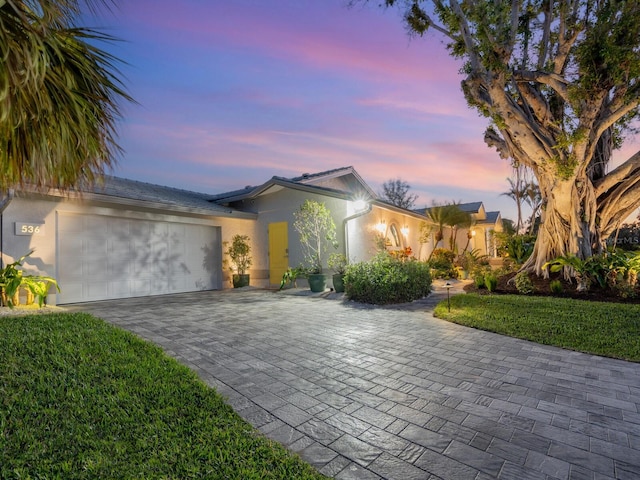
<point>448,215</point>
<point>534,198</point>
<point>59,96</point>
<point>517,191</point>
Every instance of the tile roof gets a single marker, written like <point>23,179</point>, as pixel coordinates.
<point>147,192</point>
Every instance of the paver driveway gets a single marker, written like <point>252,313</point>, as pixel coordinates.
<point>363,392</point>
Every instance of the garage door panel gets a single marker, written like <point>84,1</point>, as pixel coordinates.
<point>102,257</point>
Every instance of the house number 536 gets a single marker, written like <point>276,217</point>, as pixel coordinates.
<point>29,228</point>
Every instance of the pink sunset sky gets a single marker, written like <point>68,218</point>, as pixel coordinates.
<point>232,93</point>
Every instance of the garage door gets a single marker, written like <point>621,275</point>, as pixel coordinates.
<point>103,257</point>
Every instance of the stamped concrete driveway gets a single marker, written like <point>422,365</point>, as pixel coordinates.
<point>367,392</point>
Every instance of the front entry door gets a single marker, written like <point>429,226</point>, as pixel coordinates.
<point>278,251</point>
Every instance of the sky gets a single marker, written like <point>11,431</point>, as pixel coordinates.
<point>232,92</point>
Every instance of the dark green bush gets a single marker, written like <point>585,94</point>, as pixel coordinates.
<point>479,281</point>
<point>385,279</point>
<point>442,264</point>
<point>491,282</point>
<point>524,284</point>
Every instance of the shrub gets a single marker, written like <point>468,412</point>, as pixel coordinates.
<point>524,284</point>
<point>441,263</point>
<point>491,282</point>
<point>556,287</point>
<point>385,279</point>
<point>479,281</point>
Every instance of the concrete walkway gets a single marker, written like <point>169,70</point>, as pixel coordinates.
<point>366,392</point>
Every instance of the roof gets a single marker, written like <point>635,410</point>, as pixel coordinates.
<point>492,217</point>
<point>472,207</point>
<point>123,191</point>
<point>311,182</point>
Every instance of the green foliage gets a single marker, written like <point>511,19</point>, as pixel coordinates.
<point>608,329</point>
<point>515,246</point>
<point>385,279</point>
<point>337,262</point>
<point>317,231</point>
<point>59,98</point>
<point>82,399</point>
<point>12,278</point>
<point>615,269</point>
<point>556,287</point>
<point>291,275</point>
<point>39,286</point>
<point>491,282</point>
<point>442,263</point>
<point>239,251</point>
<point>478,280</point>
<point>523,283</point>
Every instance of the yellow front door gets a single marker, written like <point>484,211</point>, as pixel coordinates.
<point>278,251</point>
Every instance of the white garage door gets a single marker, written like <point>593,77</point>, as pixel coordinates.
<point>103,257</point>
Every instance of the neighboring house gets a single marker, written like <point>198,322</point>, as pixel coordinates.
<point>126,238</point>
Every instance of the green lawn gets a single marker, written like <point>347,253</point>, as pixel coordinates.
<point>608,329</point>
<point>82,399</point>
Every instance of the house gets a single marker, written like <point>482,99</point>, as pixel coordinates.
<point>125,238</point>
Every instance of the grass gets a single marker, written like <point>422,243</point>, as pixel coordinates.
<point>82,399</point>
<point>601,328</point>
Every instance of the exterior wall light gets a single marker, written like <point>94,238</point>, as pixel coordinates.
<point>382,227</point>
<point>405,230</point>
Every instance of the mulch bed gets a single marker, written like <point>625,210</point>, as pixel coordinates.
<point>506,285</point>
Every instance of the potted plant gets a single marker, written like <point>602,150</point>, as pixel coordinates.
<point>10,281</point>
<point>239,252</point>
<point>317,231</point>
<point>338,263</point>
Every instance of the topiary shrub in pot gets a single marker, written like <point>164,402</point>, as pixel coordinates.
<point>338,263</point>
<point>239,252</point>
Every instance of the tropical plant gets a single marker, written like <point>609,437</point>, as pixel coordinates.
<point>60,96</point>
<point>291,275</point>
<point>491,282</point>
<point>396,192</point>
<point>11,279</point>
<point>517,191</point>
<point>442,263</point>
<point>447,215</point>
<point>559,82</point>
<point>39,286</point>
<point>239,252</point>
<point>517,247</point>
<point>317,231</point>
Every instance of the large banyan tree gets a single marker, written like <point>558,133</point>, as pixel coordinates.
<point>559,81</point>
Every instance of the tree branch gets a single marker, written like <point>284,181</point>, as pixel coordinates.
<point>551,80</point>
<point>630,168</point>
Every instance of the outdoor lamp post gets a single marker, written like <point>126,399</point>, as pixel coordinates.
<point>448,287</point>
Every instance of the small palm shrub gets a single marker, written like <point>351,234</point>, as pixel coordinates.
<point>556,287</point>
<point>385,279</point>
<point>479,281</point>
<point>442,263</point>
<point>491,282</point>
<point>524,285</point>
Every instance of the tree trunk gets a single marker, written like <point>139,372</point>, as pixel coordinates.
<point>568,225</point>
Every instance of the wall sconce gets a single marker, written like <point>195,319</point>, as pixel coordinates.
<point>405,230</point>
<point>473,233</point>
<point>382,227</point>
